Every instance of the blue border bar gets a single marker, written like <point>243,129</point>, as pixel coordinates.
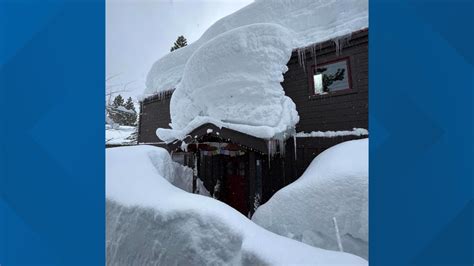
<point>52,75</point>
<point>421,130</point>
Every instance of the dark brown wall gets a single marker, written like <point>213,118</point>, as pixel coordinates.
<point>154,113</point>
<point>317,113</point>
<point>336,111</point>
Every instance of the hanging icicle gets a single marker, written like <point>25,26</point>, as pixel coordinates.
<point>313,48</point>
<point>294,145</point>
<point>313,54</point>
<point>195,164</point>
<point>302,57</point>
<point>341,42</point>
<point>281,146</point>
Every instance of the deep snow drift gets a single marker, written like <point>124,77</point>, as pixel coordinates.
<point>151,222</point>
<point>239,62</point>
<point>334,185</point>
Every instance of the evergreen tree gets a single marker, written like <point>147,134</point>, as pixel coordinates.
<point>129,104</point>
<point>118,101</point>
<point>117,113</point>
<point>130,117</point>
<point>180,42</point>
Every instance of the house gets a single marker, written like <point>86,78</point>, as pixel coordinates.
<point>327,81</point>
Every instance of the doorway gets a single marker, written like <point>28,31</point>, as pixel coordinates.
<point>236,183</point>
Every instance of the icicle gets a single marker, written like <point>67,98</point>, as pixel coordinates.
<point>337,42</point>
<point>269,148</point>
<point>302,57</point>
<point>281,146</point>
<point>195,165</point>
<point>313,54</point>
<point>300,60</point>
<point>272,149</point>
<point>294,144</point>
<point>341,42</point>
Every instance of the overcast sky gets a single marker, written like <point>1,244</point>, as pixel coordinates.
<point>138,32</point>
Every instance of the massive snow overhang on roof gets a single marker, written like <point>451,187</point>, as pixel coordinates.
<point>231,76</point>
<point>313,21</point>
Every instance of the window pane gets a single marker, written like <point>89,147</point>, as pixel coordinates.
<point>318,83</point>
<point>331,77</point>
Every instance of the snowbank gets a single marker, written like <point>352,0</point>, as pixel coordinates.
<point>334,185</point>
<point>151,222</point>
<point>237,65</point>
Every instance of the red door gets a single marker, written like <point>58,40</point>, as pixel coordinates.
<point>236,185</point>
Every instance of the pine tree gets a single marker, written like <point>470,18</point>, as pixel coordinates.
<point>180,42</point>
<point>129,104</point>
<point>118,101</point>
<point>130,117</point>
<point>116,113</point>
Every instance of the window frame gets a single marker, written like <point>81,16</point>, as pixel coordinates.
<point>312,67</point>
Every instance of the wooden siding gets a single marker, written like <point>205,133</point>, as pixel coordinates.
<point>154,113</point>
<point>342,110</point>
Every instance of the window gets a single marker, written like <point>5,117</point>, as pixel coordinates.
<point>331,77</point>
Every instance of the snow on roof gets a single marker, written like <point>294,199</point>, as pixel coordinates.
<point>313,21</point>
<point>232,74</point>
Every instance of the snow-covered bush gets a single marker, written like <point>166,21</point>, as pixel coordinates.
<point>151,222</point>
<point>334,185</point>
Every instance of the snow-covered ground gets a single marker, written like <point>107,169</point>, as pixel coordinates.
<point>231,76</point>
<point>334,185</point>
<point>119,135</point>
<point>151,222</point>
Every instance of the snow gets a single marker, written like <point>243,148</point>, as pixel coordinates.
<point>123,109</point>
<point>230,84</point>
<point>334,185</point>
<point>231,76</point>
<point>151,222</point>
<point>312,21</point>
<point>119,135</point>
<point>332,134</point>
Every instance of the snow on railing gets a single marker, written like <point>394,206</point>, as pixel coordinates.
<point>332,134</point>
